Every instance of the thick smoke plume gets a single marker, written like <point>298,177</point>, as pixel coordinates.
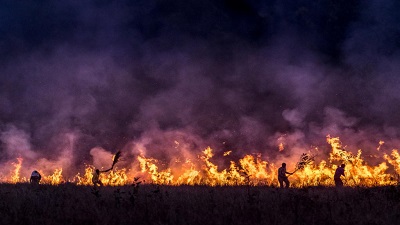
<point>83,79</point>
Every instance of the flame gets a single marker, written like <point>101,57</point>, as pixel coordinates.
<point>380,145</point>
<point>227,153</point>
<point>54,179</point>
<point>251,169</point>
<point>281,140</point>
<point>394,159</point>
<point>113,178</point>
<point>281,147</point>
<point>15,177</point>
<point>149,166</point>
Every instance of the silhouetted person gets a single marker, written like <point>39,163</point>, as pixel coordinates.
<point>96,174</point>
<point>339,172</point>
<point>282,178</point>
<point>35,177</point>
<point>96,178</point>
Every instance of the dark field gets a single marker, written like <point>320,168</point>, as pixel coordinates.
<point>70,204</point>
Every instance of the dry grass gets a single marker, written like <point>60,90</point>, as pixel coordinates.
<point>150,204</point>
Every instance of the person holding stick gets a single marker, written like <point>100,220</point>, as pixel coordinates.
<point>338,173</point>
<point>96,178</point>
<point>282,178</point>
<point>305,159</point>
<point>96,175</point>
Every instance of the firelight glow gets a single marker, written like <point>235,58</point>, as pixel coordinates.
<point>249,170</point>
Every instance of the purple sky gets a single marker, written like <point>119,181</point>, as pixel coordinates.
<point>234,75</point>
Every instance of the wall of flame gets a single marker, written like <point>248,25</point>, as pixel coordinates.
<point>249,170</point>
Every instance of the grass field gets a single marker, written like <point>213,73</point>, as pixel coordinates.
<point>150,204</point>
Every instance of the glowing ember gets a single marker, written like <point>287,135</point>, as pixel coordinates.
<point>380,145</point>
<point>227,153</point>
<point>54,179</point>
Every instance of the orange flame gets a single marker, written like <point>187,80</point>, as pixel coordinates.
<point>249,170</point>
<point>15,177</point>
<point>227,153</point>
<point>113,178</point>
<point>281,147</point>
<point>54,179</point>
<point>380,145</point>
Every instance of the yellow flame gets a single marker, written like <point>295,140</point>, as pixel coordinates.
<point>281,147</point>
<point>380,145</point>
<point>227,153</point>
<point>251,169</point>
<point>15,177</point>
<point>54,179</point>
<point>117,177</point>
<point>149,166</point>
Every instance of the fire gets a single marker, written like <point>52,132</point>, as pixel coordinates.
<point>113,178</point>
<point>227,153</point>
<point>338,153</point>
<point>54,179</point>
<point>149,166</point>
<point>255,167</point>
<point>281,147</point>
<point>205,172</point>
<point>281,141</point>
<point>394,159</point>
<point>251,169</point>
<point>380,145</point>
<point>15,177</point>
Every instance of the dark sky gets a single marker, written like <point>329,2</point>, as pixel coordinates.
<point>236,75</point>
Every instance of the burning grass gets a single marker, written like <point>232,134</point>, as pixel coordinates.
<point>154,204</point>
<point>252,169</point>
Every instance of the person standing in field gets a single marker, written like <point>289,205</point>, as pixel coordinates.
<point>96,174</point>
<point>35,177</point>
<point>338,173</point>
<point>96,178</point>
<point>282,178</point>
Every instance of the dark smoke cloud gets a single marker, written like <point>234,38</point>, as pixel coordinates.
<point>173,77</point>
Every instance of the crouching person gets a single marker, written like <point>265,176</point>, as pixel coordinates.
<point>35,177</point>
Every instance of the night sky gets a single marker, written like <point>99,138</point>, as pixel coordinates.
<point>171,77</point>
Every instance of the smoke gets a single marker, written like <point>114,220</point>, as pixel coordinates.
<point>101,157</point>
<point>166,79</point>
<point>17,143</point>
